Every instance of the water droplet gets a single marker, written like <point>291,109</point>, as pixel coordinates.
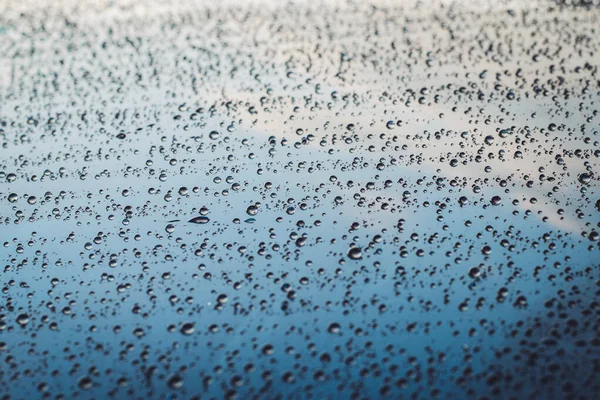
<point>252,210</point>
<point>23,319</point>
<point>199,220</point>
<point>334,328</point>
<point>85,383</point>
<point>355,253</point>
<point>188,328</point>
<point>175,381</point>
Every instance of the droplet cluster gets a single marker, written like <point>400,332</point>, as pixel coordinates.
<point>338,200</point>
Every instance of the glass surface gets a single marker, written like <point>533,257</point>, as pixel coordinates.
<point>264,200</point>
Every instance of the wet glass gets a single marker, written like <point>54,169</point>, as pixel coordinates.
<point>273,200</point>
